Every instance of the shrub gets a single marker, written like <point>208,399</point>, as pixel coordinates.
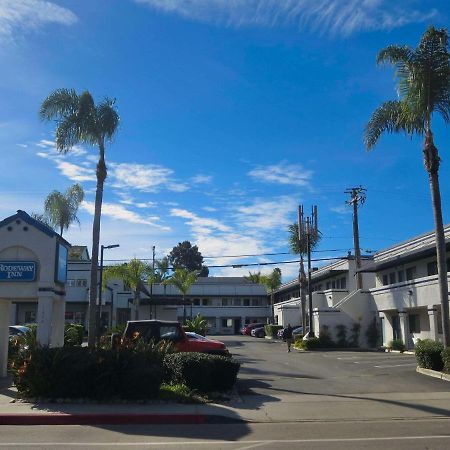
<point>272,330</point>
<point>201,371</point>
<point>310,344</point>
<point>428,354</point>
<point>446,359</point>
<point>354,336</point>
<point>397,344</point>
<point>373,333</point>
<point>197,325</point>
<point>73,334</point>
<point>325,337</point>
<point>341,336</point>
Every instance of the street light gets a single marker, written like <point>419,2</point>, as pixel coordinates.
<point>102,248</point>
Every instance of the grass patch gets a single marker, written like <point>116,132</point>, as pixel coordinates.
<point>180,393</point>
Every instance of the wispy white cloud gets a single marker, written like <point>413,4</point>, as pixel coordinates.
<point>119,212</point>
<point>76,172</point>
<point>200,225</point>
<point>144,177</point>
<point>209,208</point>
<point>26,15</point>
<point>282,173</point>
<point>325,16</point>
<point>127,199</point>
<point>201,179</point>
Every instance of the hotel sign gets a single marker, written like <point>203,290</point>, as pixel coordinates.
<point>17,271</point>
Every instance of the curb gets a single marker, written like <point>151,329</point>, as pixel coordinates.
<point>433,373</point>
<point>113,419</point>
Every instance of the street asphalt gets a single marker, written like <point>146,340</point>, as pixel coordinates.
<point>317,400</point>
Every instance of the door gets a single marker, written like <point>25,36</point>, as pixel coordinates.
<point>237,326</point>
<point>396,333</point>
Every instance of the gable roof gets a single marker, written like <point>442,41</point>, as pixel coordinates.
<point>22,215</point>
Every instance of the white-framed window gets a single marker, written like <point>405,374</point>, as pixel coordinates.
<point>82,282</point>
<point>237,302</point>
<point>71,283</point>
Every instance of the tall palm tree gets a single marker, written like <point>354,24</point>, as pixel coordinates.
<point>254,277</point>
<point>80,120</point>
<point>298,246</point>
<point>424,89</point>
<point>160,275</point>
<point>61,209</point>
<point>183,279</point>
<point>132,274</point>
<point>272,283</point>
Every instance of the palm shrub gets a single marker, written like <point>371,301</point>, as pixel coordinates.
<point>397,344</point>
<point>429,354</point>
<point>73,334</point>
<point>197,325</point>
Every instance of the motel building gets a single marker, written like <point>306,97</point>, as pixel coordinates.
<point>33,271</point>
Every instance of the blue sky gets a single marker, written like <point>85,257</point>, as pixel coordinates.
<point>232,113</point>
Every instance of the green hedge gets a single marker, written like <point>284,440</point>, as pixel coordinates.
<point>397,344</point>
<point>446,359</point>
<point>429,354</point>
<point>73,334</point>
<point>310,344</point>
<point>272,330</point>
<point>200,371</point>
<point>78,372</point>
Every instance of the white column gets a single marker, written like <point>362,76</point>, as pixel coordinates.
<point>58,320</point>
<point>404,328</point>
<point>433,317</point>
<point>44,320</point>
<point>13,314</point>
<point>5,308</point>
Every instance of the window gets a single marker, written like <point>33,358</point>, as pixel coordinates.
<point>224,302</point>
<point>385,280</point>
<point>205,302</point>
<point>448,265</point>
<point>432,268</point>
<point>328,285</point>
<point>246,302</point>
<point>410,273</point>
<point>196,302</point>
<point>227,323</point>
<point>392,278</point>
<point>333,284</point>
<point>71,283</point>
<point>82,283</point>
<point>68,316</point>
<point>343,283</point>
<point>237,302</point>
<point>255,302</point>
<point>30,316</point>
<point>400,276</point>
<point>414,323</point>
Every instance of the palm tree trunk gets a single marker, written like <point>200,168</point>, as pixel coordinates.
<point>184,311</point>
<point>137,304</point>
<point>93,316</point>
<point>301,283</point>
<point>432,161</point>
<point>272,306</point>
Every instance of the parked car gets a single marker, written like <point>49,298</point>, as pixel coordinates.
<point>18,330</point>
<point>281,330</point>
<point>158,330</point>
<point>247,329</point>
<point>258,332</point>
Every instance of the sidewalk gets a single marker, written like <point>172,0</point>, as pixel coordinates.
<point>249,408</point>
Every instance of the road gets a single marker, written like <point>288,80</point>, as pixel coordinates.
<point>318,400</point>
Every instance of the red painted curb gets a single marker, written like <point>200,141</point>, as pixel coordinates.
<point>100,419</point>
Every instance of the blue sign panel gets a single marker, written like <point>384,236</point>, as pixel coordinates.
<point>61,264</point>
<point>17,270</point>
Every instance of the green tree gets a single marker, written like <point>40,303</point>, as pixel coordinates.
<point>133,274</point>
<point>298,246</point>
<point>272,283</point>
<point>61,209</point>
<point>80,120</point>
<point>197,325</point>
<point>187,256</point>
<point>42,218</point>
<point>182,280</point>
<point>254,277</point>
<point>423,75</point>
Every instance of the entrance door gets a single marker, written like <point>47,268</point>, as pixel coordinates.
<point>396,327</point>
<point>237,326</point>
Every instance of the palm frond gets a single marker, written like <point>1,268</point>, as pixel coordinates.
<point>60,103</point>
<point>107,118</point>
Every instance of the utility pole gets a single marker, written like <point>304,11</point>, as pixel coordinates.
<point>308,229</point>
<point>151,284</point>
<point>357,197</point>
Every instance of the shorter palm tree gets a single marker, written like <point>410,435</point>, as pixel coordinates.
<point>182,280</point>
<point>61,209</point>
<point>197,325</point>
<point>254,277</point>
<point>272,283</point>
<point>132,274</point>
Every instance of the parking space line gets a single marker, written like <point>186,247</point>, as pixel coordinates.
<point>396,365</point>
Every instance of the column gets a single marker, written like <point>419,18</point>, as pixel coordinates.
<point>44,320</point>
<point>404,328</point>
<point>433,318</point>
<point>58,321</point>
<point>5,308</point>
<point>218,325</point>
<point>386,329</point>
<point>13,314</point>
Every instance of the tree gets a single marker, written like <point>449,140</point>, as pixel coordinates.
<point>42,218</point>
<point>272,283</point>
<point>424,89</point>
<point>254,277</point>
<point>183,279</point>
<point>80,120</point>
<point>132,274</point>
<point>61,209</point>
<point>298,246</point>
<point>186,256</point>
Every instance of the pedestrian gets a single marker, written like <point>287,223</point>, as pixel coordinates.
<point>287,336</point>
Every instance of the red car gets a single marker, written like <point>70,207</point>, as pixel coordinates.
<point>158,330</point>
<point>247,329</point>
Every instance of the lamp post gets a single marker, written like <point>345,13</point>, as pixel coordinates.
<point>102,248</point>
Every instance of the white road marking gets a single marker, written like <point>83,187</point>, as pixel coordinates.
<point>396,365</point>
<point>209,443</point>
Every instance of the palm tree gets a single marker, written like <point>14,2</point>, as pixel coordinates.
<point>424,89</point>
<point>183,279</point>
<point>160,275</point>
<point>298,246</point>
<point>254,277</point>
<point>132,274</point>
<point>272,283</point>
<point>80,120</point>
<point>61,209</point>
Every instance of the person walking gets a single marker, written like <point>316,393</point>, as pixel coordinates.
<point>287,336</point>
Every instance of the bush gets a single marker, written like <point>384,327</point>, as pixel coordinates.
<point>310,344</point>
<point>341,335</point>
<point>272,330</point>
<point>354,336</point>
<point>397,344</point>
<point>446,359</point>
<point>201,371</point>
<point>73,334</point>
<point>325,337</point>
<point>428,354</point>
<point>197,325</point>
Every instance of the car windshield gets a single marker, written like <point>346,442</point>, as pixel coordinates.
<point>170,332</point>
